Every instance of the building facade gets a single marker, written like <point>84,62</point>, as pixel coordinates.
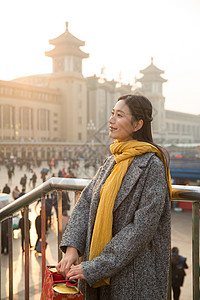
<point>64,107</point>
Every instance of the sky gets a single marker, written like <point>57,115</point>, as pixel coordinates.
<point>120,36</point>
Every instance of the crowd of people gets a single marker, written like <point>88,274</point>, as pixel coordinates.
<point>51,201</point>
<point>28,181</point>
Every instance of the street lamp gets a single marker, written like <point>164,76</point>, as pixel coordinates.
<point>90,129</point>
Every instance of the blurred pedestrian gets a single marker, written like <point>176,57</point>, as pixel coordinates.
<point>30,177</point>
<point>60,174</point>
<point>22,227</point>
<point>65,201</point>
<point>48,207</point>
<point>43,176</point>
<point>178,273</point>
<point>54,197</point>
<point>6,189</point>
<point>38,228</point>
<point>71,173</point>
<point>23,181</point>
<point>15,192</point>
<point>21,194</point>
<point>34,179</point>
<point>10,175</point>
<point>52,162</point>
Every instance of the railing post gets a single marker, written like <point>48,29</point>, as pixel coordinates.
<point>27,237</point>
<point>195,249</point>
<point>10,249</point>
<point>59,223</point>
<point>0,258</point>
<point>43,219</point>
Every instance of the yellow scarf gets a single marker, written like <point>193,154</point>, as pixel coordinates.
<point>124,153</point>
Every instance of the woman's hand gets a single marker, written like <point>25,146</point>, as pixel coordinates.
<point>70,258</point>
<point>75,272</point>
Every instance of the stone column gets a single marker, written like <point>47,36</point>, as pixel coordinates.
<point>39,123</point>
<point>29,122</point>
<point>10,121</point>
<point>2,129</point>
<point>22,121</point>
<point>46,123</point>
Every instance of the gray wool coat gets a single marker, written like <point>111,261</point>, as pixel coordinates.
<point>137,257</point>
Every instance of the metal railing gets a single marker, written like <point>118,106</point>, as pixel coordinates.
<point>180,193</point>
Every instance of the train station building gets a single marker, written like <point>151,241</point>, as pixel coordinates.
<point>50,112</point>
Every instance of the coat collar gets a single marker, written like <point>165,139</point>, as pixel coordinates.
<point>130,179</point>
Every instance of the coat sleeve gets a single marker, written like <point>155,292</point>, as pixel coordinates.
<point>132,239</point>
<point>76,231</point>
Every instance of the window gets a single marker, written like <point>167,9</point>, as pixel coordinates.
<point>7,117</point>
<point>43,119</point>
<point>26,118</point>
<point>147,86</point>
<point>79,136</point>
<point>155,87</point>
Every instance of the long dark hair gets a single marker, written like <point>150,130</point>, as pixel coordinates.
<point>141,109</point>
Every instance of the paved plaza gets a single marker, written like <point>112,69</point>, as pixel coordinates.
<point>181,237</point>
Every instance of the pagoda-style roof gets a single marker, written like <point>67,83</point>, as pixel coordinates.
<point>152,69</point>
<point>66,50</point>
<point>67,38</point>
<point>152,77</point>
<point>66,44</point>
<point>151,73</point>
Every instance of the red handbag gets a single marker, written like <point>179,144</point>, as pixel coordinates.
<point>55,286</point>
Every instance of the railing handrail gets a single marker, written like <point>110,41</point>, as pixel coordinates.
<point>186,193</point>
<point>54,183</point>
<point>180,192</point>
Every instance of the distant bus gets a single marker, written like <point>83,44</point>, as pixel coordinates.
<point>185,171</point>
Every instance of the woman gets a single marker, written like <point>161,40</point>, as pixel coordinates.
<point>121,223</point>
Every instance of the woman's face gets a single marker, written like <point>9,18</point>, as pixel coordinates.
<point>120,122</point>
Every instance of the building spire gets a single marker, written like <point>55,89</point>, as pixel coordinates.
<point>67,25</point>
<point>152,60</point>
